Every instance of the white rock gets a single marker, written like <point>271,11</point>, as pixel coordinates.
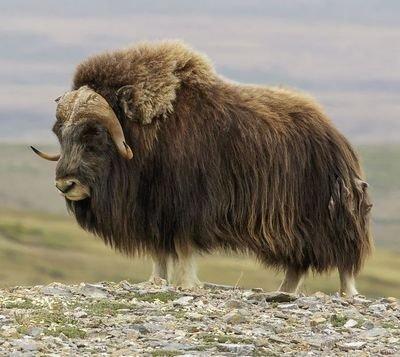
<point>350,323</point>
<point>182,301</point>
<point>288,306</point>
<point>353,345</point>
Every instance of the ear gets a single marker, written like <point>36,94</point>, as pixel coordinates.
<point>125,97</point>
<point>143,103</point>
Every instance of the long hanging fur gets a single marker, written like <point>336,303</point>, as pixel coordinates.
<point>223,165</point>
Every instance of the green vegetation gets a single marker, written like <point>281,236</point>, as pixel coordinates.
<point>53,321</point>
<point>69,331</point>
<point>338,320</point>
<point>104,307</point>
<point>18,304</point>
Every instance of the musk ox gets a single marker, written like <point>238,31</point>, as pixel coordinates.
<point>162,156</point>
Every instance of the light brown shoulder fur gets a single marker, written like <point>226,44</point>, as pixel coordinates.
<point>155,70</point>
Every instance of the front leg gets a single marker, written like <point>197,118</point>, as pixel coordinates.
<point>184,270</point>
<point>160,268</point>
<point>292,280</point>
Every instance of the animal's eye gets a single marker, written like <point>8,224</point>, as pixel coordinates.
<point>92,132</point>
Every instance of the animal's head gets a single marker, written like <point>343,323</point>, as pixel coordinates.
<point>89,134</point>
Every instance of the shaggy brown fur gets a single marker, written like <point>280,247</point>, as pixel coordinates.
<point>216,165</point>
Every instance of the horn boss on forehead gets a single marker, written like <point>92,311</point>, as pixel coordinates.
<point>84,102</point>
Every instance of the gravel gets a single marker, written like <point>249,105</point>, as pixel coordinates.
<point>124,319</point>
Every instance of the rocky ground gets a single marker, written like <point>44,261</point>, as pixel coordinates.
<point>126,320</point>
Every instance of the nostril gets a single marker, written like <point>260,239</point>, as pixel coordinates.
<point>65,185</point>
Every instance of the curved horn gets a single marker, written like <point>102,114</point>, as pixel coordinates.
<point>49,157</point>
<point>86,102</point>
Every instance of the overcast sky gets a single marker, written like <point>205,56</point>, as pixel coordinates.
<point>345,53</point>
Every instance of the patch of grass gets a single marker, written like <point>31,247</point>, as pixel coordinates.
<point>53,321</point>
<point>338,320</point>
<point>20,303</point>
<point>22,329</point>
<point>101,308</point>
<point>69,331</point>
<point>163,296</point>
<point>390,325</point>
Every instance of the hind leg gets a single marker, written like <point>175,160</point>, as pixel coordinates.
<point>347,283</point>
<point>184,274</point>
<point>292,280</point>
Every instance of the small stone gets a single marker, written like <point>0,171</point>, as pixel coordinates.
<point>317,321</point>
<point>352,345</point>
<point>183,301</point>
<point>139,328</point>
<point>377,309</point>
<point>279,296</point>
<point>234,304</point>
<point>249,294</point>
<point>288,306</point>
<point>358,299</point>
<point>34,331</point>
<point>80,314</point>
<point>194,316</point>
<point>25,344</point>
<point>173,346</point>
<point>94,291</point>
<point>350,323</point>
<point>368,325</point>
<point>57,290</point>
<point>375,332</point>
<point>235,317</point>
<point>237,349</point>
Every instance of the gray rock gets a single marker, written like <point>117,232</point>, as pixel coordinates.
<point>368,325</point>
<point>234,304</point>
<point>375,332</point>
<point>279,296</point>
<point>377,308</point>
<point>176,346</point>
<point>239,349</point>
<point>94,291</point>
<point>57,290</point>
<point>358,299</point>
<point>35,331</point>
<point>357,345</point>
<point>139,328</point>
<point>235,317</point>
<point>25,344</point>
<point>183,301</point>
